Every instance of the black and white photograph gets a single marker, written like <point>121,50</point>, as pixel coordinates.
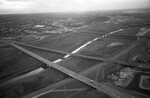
<point>74,48</point>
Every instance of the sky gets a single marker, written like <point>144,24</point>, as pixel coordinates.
<point>38,6</point>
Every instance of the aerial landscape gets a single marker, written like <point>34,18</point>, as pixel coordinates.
<point>91,54</point>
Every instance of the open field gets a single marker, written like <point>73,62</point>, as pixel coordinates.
<point>68,42</point>
<point>103,28</point>
<point>15,62</point>
<point>101,48</point>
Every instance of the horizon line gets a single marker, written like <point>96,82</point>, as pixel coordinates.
<point>107,10</point>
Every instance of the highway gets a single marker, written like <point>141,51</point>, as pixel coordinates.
<point>85,73</point>
<point>112,92</point>
<point>80,77</point>
<point>76,50</point>
<point>102,88</point>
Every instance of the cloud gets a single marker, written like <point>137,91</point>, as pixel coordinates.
<point>17,0</point>
<point>71,5</point>
<point>60,5</point>
<point>14,4</point>
<point>86,5</point>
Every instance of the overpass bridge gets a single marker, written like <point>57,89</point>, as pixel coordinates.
<point>94,84</point>
<point>75,76</point>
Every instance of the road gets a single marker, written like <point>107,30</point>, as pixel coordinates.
<point>100,87</point>
<point>85,73</point>
<point>84,79</point>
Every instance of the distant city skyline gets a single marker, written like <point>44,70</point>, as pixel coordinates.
<point>40,6</point>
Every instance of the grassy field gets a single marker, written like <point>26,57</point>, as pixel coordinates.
<point>14,62</point>
<point>46,77</point>
<point>104,27</point>
<point>46,54</point>
<point>78,64</point>
<point>99,48</point>
<point>32,83</point>
<point>129,31</point>
<point>67,42</point>
<point>31,39</point>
